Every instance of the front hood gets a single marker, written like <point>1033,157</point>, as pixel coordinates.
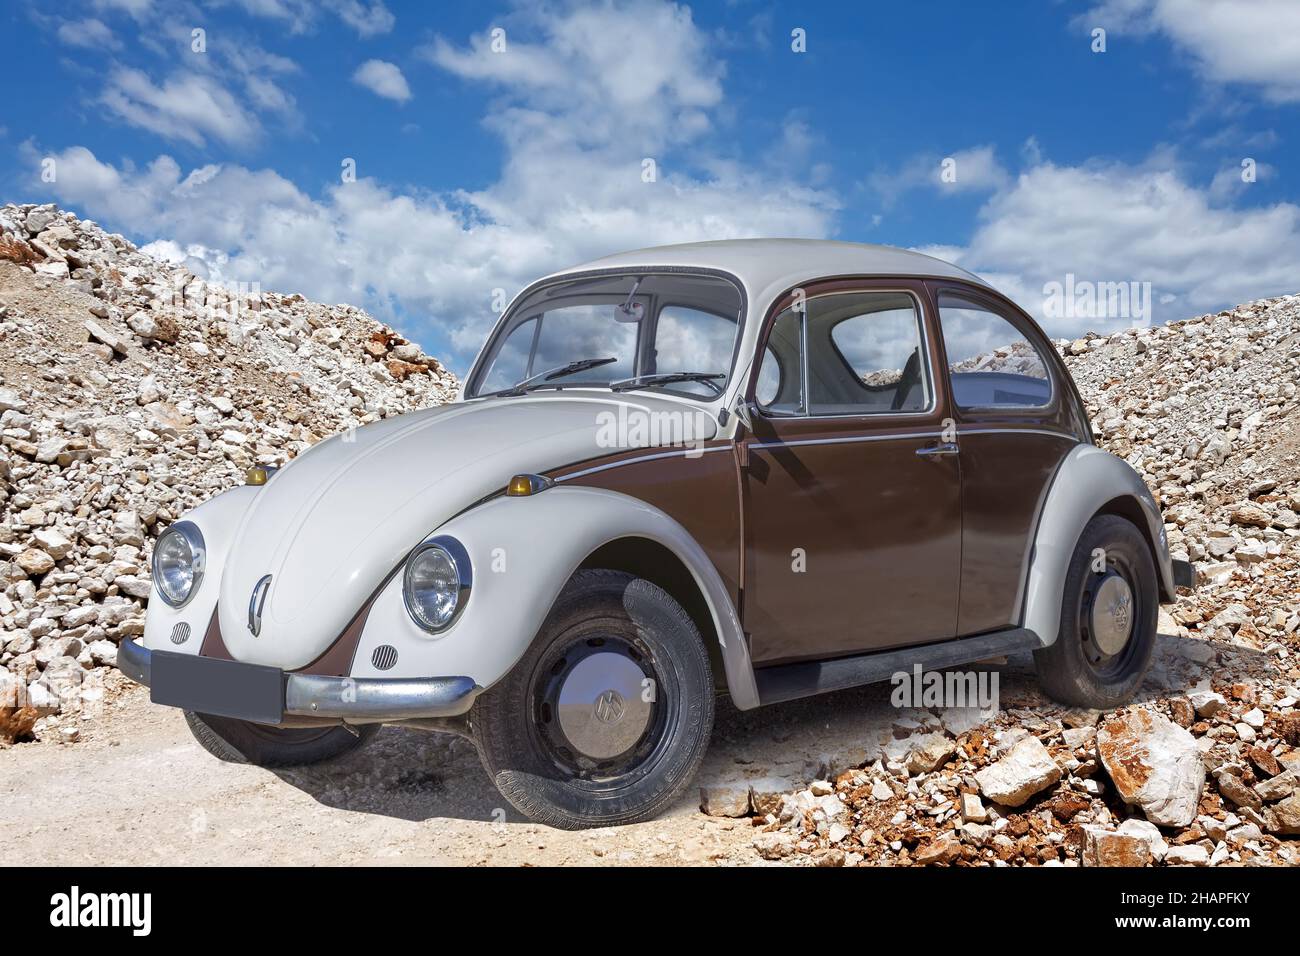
<point>331,525</point>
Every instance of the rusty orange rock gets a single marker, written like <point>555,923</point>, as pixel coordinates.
<point>1154,764</point>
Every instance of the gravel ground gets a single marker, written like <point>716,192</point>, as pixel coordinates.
<point>410,797</point>
<point>136,789</point>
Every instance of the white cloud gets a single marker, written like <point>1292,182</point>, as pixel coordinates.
<point>137,9</point>
<point>222,95</point>
<point>188,107</point>
<point>383,79</point>
<point>1118,223</point>
<point>582,72</point>
<point>89,34</point>
<point>367,19</point>
<point>577,116</point>
<point>1255,44</point>
<point>973,170</point>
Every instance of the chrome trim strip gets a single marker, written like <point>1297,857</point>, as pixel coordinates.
<point>935,433</point>
<point>998,430</point>
<point>805,389</point>
<point>849,439</point>
<point>640,458</point>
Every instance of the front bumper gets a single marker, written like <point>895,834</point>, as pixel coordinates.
<point>351,699</point>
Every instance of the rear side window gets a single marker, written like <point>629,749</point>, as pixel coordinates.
<point>991,363</point>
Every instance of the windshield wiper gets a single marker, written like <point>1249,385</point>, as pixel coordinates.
<point>666,378</point>
<point>541,378</point>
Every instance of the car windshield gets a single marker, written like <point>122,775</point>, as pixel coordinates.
<point>666,332</point>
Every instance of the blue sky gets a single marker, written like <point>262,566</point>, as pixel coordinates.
<point>479,168</point>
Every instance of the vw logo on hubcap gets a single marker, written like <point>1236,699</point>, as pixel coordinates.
<point>1111,622</point>
<point>600,710</point>
<point>610,707</point>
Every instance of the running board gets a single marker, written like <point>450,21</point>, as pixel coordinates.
<point>804,679</point>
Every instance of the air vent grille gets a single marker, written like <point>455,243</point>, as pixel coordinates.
<point>180,633</point>
<point>384,657</point>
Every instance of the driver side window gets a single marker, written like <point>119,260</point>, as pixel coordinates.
<point>865,355</point>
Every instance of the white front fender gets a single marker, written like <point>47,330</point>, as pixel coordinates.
<point>217,519</point>
<point>1087,480</point>
<point>522,552</point>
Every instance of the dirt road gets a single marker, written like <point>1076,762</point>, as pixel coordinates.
<point>137,789</point>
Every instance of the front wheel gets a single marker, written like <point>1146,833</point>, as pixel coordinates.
<point>1108,619</point>
<point>606,718</point>
<point>242,741</point>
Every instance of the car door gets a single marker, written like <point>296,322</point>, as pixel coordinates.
<point>851,496</point>
<point>1017,417</point>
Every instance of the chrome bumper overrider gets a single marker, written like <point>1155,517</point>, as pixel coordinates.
<point>359,699</point>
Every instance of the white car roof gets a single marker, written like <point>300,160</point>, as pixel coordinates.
<point>764,264</point>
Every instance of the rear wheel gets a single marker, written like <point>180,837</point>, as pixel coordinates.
<point>606,718</point>
<point>241,741</point>
<point>1108,619</point>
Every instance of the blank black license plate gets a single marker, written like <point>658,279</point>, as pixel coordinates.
<point>210,685</point>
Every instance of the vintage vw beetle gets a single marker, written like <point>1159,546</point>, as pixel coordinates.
<point>768,467</point>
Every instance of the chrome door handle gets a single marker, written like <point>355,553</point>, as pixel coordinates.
<point>939,450</point>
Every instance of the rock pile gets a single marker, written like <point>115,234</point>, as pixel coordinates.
<point>1205,768</point>
<point>132,391</point>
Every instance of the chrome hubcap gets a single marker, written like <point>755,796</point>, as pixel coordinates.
<point>600,706</point>
<point>1110,619</point>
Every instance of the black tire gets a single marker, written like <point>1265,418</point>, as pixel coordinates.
<point>240,741</point>
<point>1079,669</point>
<point>521,736</point>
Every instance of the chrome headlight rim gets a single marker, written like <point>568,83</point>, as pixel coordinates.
<point>459,557</point>
<point>198,561</point>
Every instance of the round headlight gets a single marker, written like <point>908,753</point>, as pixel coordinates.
<point>178,560</point>
<point>436,583</point>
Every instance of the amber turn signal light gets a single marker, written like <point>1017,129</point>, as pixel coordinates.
<point>521,486</point>
<point>258,475</point>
